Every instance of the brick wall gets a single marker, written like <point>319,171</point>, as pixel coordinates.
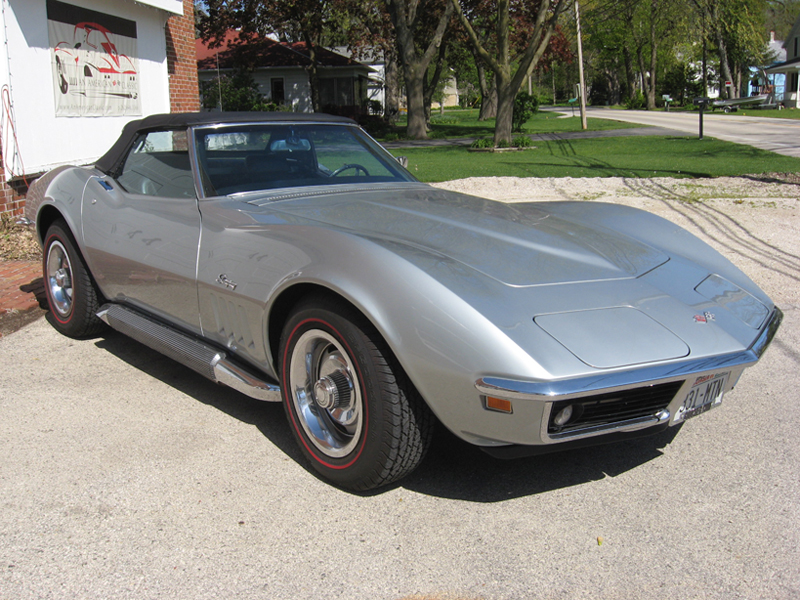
<point>184,95</point>
<point>12,196</point>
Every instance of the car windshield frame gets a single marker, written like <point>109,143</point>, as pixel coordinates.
<point>257,157</point>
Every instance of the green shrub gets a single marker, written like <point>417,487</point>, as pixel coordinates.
<point>482,143</point>
<point>522,141</point>
<point>234,92</point>
<point>636,101</point>
<point>525,106</point>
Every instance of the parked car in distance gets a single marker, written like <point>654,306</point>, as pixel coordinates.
<point>292,258</point>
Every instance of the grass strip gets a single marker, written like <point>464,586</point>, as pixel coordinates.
<point>464,123</point>
<point>645,156</point>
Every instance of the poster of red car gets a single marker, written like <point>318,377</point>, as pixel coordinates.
<point>95,64</point>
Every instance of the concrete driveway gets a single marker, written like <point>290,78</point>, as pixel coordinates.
<point>126,476</point>
<point>778,135</point>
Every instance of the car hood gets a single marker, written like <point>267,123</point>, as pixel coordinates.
<point>515,244</point>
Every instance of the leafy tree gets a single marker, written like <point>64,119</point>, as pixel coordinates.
<point>232,92</point>
<point>535,24</point>
<point>370,34</point>
<point>525,106</point>
<point>419,27</point>
<point>736,30</point>
<point>780,16</point>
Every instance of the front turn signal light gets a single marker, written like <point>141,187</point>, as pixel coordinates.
<point>499,404</point>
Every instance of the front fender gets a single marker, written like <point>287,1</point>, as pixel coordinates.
<point>443,343</point>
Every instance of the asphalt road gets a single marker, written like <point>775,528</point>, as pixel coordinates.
<point>777,135</point>
<point>127,476</point>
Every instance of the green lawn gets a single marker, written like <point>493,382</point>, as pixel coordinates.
<point>464,123</point>
<point>789,113</point>
<point>648,156</point>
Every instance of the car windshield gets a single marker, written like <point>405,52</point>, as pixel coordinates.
<point>247,158</point>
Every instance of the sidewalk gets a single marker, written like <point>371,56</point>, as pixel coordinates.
<point>538,137</point>
<point>21,287</point>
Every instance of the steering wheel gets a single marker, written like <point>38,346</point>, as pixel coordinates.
<point>354,166</point>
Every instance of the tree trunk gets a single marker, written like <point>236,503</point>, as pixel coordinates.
<point>429,87</point>
<point>510,74</point>
<point>417,126</point>
<point>614,93</point>
<point>630,74</point>
<point>415,60</point>
<point>391,110</point>
<point>651,90</point>
<point>724,64</point>
<point>313,78</point>
<point>488,95</point>
<point>505,114</point>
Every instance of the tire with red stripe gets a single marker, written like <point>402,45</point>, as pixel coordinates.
<point>70,291</point>
<point>352,409</point>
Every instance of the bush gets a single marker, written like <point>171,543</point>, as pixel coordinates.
<point>482,143</point>
<point>525,106</point>
<point>522,141</point>
<point>375,126</point>
<point>238,91</point>
<point>636,101</point>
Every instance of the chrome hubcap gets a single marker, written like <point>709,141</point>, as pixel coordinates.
<point>59,278</point>
<point>326,393</point>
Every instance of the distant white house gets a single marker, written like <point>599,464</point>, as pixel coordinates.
<point>377,83</point>
<point>790,68</point>
<point>280,70</point>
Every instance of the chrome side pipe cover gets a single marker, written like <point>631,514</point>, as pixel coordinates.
<point>207,361</point>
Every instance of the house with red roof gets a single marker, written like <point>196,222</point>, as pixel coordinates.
<point>281,72</point>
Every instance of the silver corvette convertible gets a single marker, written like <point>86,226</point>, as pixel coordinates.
<point>292,258</point>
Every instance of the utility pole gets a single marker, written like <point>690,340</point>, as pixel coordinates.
<point>584,126</point>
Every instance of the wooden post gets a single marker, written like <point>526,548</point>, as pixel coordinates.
<point>584,126</point>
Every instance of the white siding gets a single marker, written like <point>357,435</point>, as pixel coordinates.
<point>295,86</point>
<point>44,140</point>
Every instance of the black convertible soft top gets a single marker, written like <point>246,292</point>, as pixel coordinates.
<point>109,162</point>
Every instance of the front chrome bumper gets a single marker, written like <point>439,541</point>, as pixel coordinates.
<point>549,392</point>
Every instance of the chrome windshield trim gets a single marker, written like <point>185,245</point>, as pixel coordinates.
<point>549,391</point>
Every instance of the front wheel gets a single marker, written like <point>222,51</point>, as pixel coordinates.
<point>70,290</point>
<point>353,411</point>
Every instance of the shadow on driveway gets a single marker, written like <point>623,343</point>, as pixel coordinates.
<point>453,468</point>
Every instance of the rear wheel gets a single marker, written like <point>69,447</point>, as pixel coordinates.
<point>70,291</point>
<point>353,411</point>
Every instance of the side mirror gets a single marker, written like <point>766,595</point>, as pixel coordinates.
<point>403,160</point>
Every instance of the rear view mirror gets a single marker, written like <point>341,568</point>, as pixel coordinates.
<point>403,160</point>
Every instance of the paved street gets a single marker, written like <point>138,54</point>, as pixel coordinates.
<point>127,476</point>
<point>778,135</point>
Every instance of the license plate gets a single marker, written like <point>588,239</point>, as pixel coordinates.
<point>705,394</point>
